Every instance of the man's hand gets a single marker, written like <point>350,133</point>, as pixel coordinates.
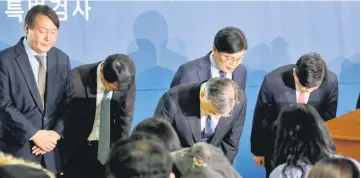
<point>38,151</point>
<point>45,140</point>
<point>54,138</point>
<point>259,160</point>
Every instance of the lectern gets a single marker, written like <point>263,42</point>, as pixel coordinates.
<point>345,132</point>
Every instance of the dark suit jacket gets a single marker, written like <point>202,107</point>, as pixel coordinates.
<point>80,123</point>
<point>278,90</point>
<point>181,106</point>
<point>199,70</point>
<point>21,110</point>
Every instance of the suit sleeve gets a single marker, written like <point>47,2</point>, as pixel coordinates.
<point>179,77</point>
<point>127,111</point>
<point>261,122</point>
<point>164,109</point>
<point>11,118</point>
<point>330,106</point>
<point>230,144</point>
<point>243,87</point>
<point>64,107</point>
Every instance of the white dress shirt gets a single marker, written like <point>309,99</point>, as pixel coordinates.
<point>34,63</point>
<point>204,116</point>
<point>293,172</point>
<point>94,135</point>
<point>215,70</point>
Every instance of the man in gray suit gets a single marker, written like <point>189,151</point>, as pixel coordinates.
<point>223,61</point>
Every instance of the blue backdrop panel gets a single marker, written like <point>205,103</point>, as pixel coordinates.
<point>159,36</point>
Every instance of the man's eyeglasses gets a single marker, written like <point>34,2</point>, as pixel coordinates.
<point>230,59</point>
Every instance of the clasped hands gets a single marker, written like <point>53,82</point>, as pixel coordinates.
<point>45,141</point>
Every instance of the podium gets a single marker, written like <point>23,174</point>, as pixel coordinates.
<point>345,132</point>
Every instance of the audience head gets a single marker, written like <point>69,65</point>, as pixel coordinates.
<point>41,28</point>
<point>139,159</point>
<point>218,97</point>
<point>11,167</point>
<point>203,160</point>
<point>160,128</point>
<point>310,72</point>
<point>229,47</point>
<point>118,72</point>
<point>335,168</point>
<point>301,135</point>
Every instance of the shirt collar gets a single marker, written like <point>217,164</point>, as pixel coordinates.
<point>29,50</point>
<point>213,62</point>
<point>100,85</point>
<point>297,87</point>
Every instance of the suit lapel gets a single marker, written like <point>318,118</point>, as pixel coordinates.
<point>290,87</point>
<point>204,72</point>
<point>195,125</point>
<point>91,92</point>
<point>25,68</point>
<point>192,103</point>
<point>92,81</point>
<point>237,79</point>
<point>290,95</point>
<point>222,126</point>
<point>315,97</point>
<point>51,74</point>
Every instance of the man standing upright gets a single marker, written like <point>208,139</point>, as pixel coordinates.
<point>223,61</point>
<point>35,86</point>
<point>307,82</point>
<point>102,113</point>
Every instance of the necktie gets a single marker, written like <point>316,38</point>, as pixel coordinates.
<point>209,127</point>
<point>41,77</point>
<point>104,130</point>
<point>302,99</point>
<point>222,74</point>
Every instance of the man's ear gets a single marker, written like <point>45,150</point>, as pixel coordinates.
<point>171,175</point>
<point>26,28</point>
<point>214,49</point>
<point>202,95</point>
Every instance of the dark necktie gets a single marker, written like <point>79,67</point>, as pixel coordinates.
<point>222,74</point>
<point>209,127</point>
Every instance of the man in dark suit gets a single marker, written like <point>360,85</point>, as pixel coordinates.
<point>35,87</point>
<point>102,113</point>
<point>211,111</point>
<point>309,81</point>
<point>224,60</point>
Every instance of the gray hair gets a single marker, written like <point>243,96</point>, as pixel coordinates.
<point>223,93</point>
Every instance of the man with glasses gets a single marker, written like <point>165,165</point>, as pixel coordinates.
<point>307,82</point>
<point>223,61</point>
<point>101,114</point>
<point>211,111</point>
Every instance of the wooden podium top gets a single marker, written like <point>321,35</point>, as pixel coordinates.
<point>345,127</point>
